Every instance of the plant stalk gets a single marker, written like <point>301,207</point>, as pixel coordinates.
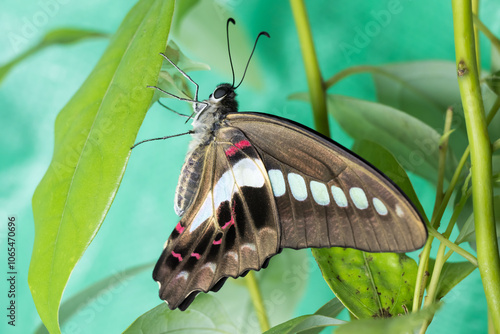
<point>258,304</point>
<point>480,151</point>
<point>317,91</point>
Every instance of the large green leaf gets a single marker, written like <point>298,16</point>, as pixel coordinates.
<point>407,323</point>
<point>369,285</point>
<point>452,273</point>
<point>204,315</point>
<point>53,37</point>
<point>93,136</point>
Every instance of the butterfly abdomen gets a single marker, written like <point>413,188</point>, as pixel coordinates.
<point>189,179</point>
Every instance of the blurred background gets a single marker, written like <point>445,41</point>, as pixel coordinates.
<point>142,216</point>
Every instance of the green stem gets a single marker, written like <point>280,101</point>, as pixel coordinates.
<point>475,12</point>
<point>482,194</point>
<point>317,91</point>
<point>487,32</point>
<point>258,304</point>
<point>443,149</point>
<point>454,247</point>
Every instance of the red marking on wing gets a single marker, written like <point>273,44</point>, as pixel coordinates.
<point>179,228</point>
<point>229,223</point>
<point>217,242</point>
<point>233,214</point>
<point>177,255</point>
<point>237,146</point>
<point>196,255</point>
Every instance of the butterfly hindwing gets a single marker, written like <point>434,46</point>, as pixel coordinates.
<point>327,196</point>
<point>230,228</point>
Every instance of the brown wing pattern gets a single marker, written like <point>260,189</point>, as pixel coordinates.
<point>326,196</point>
<point>231,227</point>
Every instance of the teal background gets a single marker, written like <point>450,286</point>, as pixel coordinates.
<point>142,216</point>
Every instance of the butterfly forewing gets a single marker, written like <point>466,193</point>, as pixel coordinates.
<point>230,228</point>
<point>327,196</point>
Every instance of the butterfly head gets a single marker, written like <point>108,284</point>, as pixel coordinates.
<point>224,98</point>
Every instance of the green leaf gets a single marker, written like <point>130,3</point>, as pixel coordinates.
<point>414,144</point>
<point>88,295</point>
<point>452,273</point>
<point>330,309</point>
<point>369,284</point>
<point>53,37</point>
<point>305,323</point>
<point>204,315</point>
<point>386,163</point>
<point>93,136</point>
<point>424,90</point>
<point>396,325</point>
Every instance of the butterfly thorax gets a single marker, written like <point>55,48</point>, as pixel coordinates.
<point>209,116</point>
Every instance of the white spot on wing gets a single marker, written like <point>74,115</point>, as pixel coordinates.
<point>206,211</point>
<point>399,211</point>
<point>319,193</point>
<point>209,265</point>
<point>298,186</point>
<point>339,196</point>
<point>358,197</point>
<point>249,245</point>
<point>247,173</point>
<point>183,274</point>
<point>234,255</point>
<point>379,206</point>
<point>223,189</point>
<point>277,182</point>
<point>165,244</point>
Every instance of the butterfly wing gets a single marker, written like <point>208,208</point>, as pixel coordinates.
<point>268,183</point>
<point>326,195</point>
<point>231,227</point>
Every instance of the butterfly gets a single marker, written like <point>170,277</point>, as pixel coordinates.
<point>253,184</point>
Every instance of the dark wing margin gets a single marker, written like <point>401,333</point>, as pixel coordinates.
<point>331,197</point>
<point>230,228</point>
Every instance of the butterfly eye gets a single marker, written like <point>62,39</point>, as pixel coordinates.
<point>220,92</point>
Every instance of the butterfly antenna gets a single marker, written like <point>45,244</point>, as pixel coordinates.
<point>162,138</point>
<point>251,54</point>
<point>228,47</point>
